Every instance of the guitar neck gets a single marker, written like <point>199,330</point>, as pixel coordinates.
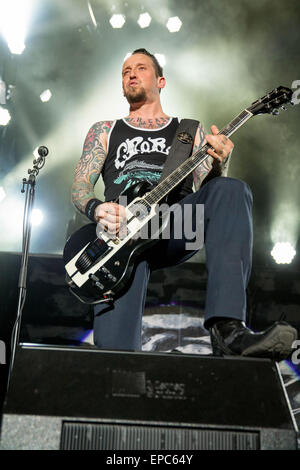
<point>171,181</point>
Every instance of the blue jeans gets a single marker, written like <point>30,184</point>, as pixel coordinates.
<point>228,238</point>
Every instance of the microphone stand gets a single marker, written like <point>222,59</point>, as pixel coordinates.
<point>29,202</point>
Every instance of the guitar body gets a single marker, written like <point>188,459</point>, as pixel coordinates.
<point>98,266</point>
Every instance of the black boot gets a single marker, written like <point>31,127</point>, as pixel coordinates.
<point>232,337</point>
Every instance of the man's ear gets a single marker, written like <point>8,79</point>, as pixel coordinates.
<point>161,82</point>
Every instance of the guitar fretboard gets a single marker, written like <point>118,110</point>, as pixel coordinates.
<point>171,181</point>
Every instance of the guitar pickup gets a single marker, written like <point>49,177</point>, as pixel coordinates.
<point>92,254</point>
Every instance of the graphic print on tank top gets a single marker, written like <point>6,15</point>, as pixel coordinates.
<point>134,155</point>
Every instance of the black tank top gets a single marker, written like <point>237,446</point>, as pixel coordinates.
<point>134,155</point>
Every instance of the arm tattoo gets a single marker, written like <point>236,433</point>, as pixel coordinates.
<point>202,170</point>
<point>89,167</point>
<point>210,168</point>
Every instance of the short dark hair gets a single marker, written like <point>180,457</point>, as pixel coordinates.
<point>157,66</point>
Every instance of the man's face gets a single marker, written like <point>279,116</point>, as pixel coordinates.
<point>138,79</point>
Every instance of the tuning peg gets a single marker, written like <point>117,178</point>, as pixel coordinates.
<point>275,112</point>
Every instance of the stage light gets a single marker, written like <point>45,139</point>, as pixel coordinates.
<point>283,253</point>
<point>144,20</point>
<point>117,21</point>
<point>161,59</point>
<point>36,217</point>
<point>4,116</point>
<point>2,193</point>
<point>16,46</point>
<point>14,18</point>
<point>45,96</point>
<point>11,218</point>
<point>174,24</point>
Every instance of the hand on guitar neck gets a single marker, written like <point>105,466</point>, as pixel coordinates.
<point>222,146</point>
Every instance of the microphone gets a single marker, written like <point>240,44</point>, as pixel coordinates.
<point>43,151</point>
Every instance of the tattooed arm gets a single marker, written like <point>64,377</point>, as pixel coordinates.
<point>201,171</point>
<point>211,167</point>
<point>89,167</point>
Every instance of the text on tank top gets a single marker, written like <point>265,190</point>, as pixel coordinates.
<point>134,155</point>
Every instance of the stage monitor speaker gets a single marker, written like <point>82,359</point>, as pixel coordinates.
<point>75,398</point>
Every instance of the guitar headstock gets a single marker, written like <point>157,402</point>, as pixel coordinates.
<point>271,102</point>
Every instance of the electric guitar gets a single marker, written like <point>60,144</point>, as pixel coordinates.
<point>98,265</point>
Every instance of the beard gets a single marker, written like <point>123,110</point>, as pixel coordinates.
<point>135,95</point>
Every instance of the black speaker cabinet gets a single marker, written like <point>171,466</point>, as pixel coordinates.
<point>74,398</point>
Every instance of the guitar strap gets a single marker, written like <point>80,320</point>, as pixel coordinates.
<point>181,149</point>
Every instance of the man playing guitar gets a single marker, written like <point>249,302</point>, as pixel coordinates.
<point>134,149</point>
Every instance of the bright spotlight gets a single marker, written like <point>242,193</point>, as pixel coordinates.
<point>11,227</point>
<point>144,20</point>
<point>14,19</point>
<point>174,24</point>
<point>161,59</point>
<point>36,217</point>
<point>4,116</point>
<point>16,46</point>
<point>45,96</point>
<point>2,193</point>
<point>117,21</point>
<point>283,253</point>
